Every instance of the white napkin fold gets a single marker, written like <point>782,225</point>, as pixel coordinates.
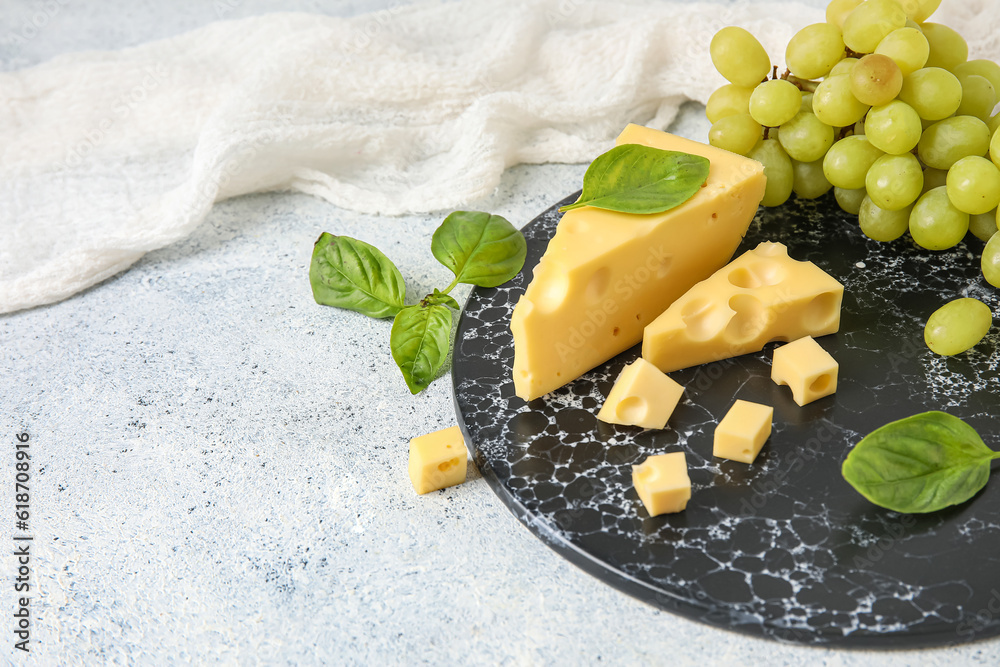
<point>106,156</point>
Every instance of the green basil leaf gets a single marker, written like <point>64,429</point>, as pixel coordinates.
<point>351,274</point>
<point>480,249</point>
<point>920,464</point>
<point>440,298</point>
<point>638,179</point>
<point>420,339</point>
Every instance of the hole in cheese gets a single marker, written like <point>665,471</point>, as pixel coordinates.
<point>769,273</point>
<point>821,383</point>
<point>742,277</point>
<point>632,409</point>
<point>556,287</point>
<point>615,331</point>
<point>447,465</point>
<point>598,285</point>
<point>820,312</point>
<point>749,320</point>
<point>702,321</point>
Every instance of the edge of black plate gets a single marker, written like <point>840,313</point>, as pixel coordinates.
<point>687,608</point>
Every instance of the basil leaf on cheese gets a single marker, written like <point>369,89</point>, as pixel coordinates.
<point>420,340</point>
<point>479,248</point>
<point>351,274</point>
<point>632,178</point>
<point>920,464</point>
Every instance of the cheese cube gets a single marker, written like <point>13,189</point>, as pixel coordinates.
<point>662,483</point>
<point>642,396</point>
<point>743,431</point>
<point>806,368</point>
<point>437,460</point>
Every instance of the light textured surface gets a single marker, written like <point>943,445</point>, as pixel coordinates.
<point>108,155</point>
<point>220,469</point>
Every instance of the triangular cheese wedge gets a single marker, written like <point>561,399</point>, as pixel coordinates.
<point>763,295</point>
<point>606,275</point>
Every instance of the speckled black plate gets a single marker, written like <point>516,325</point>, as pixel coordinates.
<point>783,548</point>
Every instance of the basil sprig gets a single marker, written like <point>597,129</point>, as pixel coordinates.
<point>632,178</point>
<point>479,248</point>
<point>920,464</point>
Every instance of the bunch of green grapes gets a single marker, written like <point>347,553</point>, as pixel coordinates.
<point>880,105</point>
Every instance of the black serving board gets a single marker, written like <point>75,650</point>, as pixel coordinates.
<point>783,548</point>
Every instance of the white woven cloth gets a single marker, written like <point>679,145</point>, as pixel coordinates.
<point>106,156</point>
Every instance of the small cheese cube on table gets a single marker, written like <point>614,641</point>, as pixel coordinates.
<point>662,483</point>
<point>642,396</point>
<point>743,431</point>
<point>808,370</point>
<point>437,460</point>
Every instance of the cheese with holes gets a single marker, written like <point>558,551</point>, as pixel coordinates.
<point>642,396</point>
<point>763,295</point>
<point>438,460</point>
<point>742,432</point>
<point>662,483</point>
<point>808,370</point>
<point>606,275</point>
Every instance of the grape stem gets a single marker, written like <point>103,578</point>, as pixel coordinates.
<point>802,84</point>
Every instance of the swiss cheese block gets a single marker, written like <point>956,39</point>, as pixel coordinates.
<point>642,396</point>
<point>662,483</point>
<point>763,295</point>
<point>808,370</point>
<point>438,460</point>
<point>742,432</point>
<point>606,275</point>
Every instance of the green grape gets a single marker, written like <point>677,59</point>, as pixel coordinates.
<point>934,178</point>
<point>948,48</point>
<point>870,22</point>
<point>848,160</point>
<point>935,93</point>
<point>835,104</point>
<point>838,10</point>
<point>843,67</point>
<point>808,181</point>
<point>978,97</point>
<point>973,185</point>
<point>814,50</point>
<point>805,138</point>
<point>739,57</point>
<point>935,224</point>
<point>994,148</point>
<point>807,100</point>
<point>984,68</point>
<point>947,141</point>
<point>909,7</point>
<point>957,326</point>
<point>894,127</point>
<point>737,133</point>
<point>881,224</point>
<point>993,123</point>
<point>859,127</point>
<point>775,102</point>
<point>907,47</point>
<point>728,100</point>
<point>850,200</point>
<point>927,7</point>
<point>777,171</point>
<point>894,181</point>
<point>991,260</point>
<point>876,80</point>
<point>983,225</point>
